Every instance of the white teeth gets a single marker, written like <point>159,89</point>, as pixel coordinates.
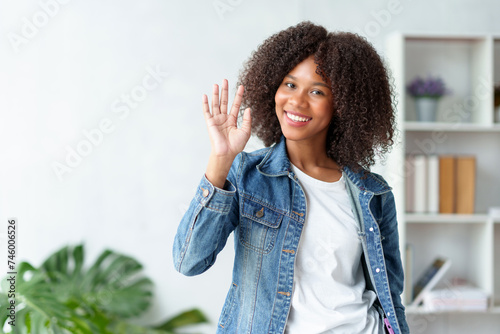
<point>297,118</point>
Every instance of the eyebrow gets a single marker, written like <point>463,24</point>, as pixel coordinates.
<point>314,83</point>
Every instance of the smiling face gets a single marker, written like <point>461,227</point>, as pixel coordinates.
<point>304,104</point>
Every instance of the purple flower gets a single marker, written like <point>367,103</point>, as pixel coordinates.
<point>430,87</point>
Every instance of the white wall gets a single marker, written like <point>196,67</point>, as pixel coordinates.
<point>70,75</point>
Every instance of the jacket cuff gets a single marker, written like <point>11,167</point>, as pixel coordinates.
<point>214,198</point>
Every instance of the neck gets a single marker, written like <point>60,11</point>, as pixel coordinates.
<point>310,155</point>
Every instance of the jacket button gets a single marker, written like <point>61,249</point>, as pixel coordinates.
<point>377,270</point>
<point>371,229</point>
<point>205,192</point>
<point>260,213</point>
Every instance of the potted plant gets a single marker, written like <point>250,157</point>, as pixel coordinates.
<point>427,93</point>
<point>61,296</point>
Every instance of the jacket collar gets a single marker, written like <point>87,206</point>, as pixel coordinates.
<point>276,163</point>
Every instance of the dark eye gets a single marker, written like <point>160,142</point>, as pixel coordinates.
<point>317,92</point>
<point>289,85</point>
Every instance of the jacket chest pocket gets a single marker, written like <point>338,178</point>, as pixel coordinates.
<point>259,226</point>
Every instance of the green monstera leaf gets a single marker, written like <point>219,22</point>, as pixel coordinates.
<point>62,297</point>
<point>42,305</point>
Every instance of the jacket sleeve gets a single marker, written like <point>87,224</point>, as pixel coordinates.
<point>203,231</point>
<point>392,255</point>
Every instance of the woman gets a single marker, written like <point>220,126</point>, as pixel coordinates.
<point>316,239</point>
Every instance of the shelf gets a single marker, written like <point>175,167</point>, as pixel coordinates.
<point>433,37</point>
<point>483,145</point>
<point>431,218</point>
<point>422,310</point>
<point>495,310</point>
<point>458,127</point>
<point>469,64</point>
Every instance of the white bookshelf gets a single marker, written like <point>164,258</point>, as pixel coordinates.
<point>417,218</point>
<point>469,65</point>
<point>450,127</point>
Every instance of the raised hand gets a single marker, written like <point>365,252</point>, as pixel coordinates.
<point>225,137</point>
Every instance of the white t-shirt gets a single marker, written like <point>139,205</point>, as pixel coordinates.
<point>329,292</point>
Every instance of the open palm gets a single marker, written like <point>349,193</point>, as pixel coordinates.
<point>226,138</point>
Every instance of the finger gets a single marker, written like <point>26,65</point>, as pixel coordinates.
<point>205,107</point>
<point>246,125</point>
<point>224,97</point>
<point>215,100</point>
<point>235,108</point>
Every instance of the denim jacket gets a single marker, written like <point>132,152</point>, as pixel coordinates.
<point>264,205</point>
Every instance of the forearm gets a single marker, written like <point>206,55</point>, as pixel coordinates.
<point>218,170</point>
<point>204,229</point>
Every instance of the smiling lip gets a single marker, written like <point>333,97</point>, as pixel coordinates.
<point>296,122</point>
<point>296,114</point>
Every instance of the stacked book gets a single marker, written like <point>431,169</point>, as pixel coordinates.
<point>427,281</point>
<point>440,184</point>
<point>456,298</point>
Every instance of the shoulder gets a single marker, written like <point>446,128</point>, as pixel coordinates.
<point>366,180</point>
<point>250,160</point>
<point>379,179</point>
<point>258,154</point>
<point>246,161</point>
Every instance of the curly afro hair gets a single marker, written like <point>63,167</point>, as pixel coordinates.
<point>363,124</point>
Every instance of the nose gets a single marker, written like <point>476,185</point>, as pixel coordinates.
<point>298,98</point>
